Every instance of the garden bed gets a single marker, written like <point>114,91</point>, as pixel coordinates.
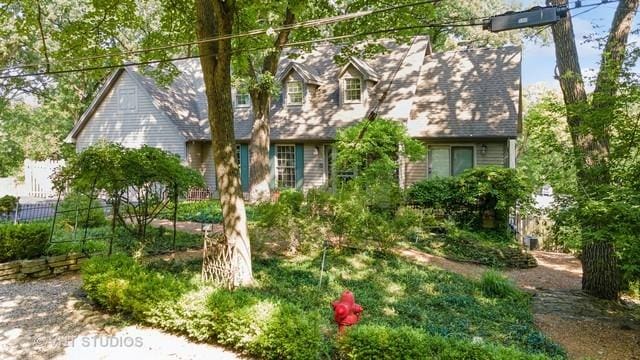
<point>488,247</point>
<point>409,309</point>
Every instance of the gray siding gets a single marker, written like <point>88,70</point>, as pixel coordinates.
<point>496,155</point>
<point>144,124</point>
<point>313,167</point>
<point>199,157</point>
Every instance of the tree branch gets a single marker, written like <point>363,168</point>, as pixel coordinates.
<point>44,42</point>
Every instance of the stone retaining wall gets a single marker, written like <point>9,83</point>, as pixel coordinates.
<point>43,267</point>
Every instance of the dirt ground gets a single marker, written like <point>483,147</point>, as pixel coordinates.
<point>586,327</point>
<point>47,319</point>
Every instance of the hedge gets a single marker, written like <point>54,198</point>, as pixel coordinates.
<point>23,241</point>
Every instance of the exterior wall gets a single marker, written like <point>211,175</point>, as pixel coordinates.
<point>132,128</point>
<point>208,166</point>
<point>314,161</point>
<point>199,157</point>
<point>496,154</point>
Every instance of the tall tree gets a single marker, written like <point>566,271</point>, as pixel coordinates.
<point>589,123</point>
<point>214,18</point>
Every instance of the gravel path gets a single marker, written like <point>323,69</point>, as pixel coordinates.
<point>45,319</point>
<point>585,326</point>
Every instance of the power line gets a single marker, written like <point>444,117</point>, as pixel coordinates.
<point>290,45</point>
<point>300,25</point>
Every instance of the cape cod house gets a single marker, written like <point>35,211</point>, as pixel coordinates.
<point>465,105</point>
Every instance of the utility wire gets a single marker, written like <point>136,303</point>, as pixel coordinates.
<point>299,25</point>
<point>290,45</point>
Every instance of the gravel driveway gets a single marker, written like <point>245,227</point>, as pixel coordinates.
<point>45,319</point>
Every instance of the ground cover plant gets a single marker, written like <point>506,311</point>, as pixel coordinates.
<point>31,241</point>
<point>286,314</point>
<point>495,248</point>
<point>202,211</point>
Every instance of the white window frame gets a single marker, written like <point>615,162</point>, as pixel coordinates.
<point>130,93</point>
<point>289,93</point>
<point>451,146</point>
<point>238,155</point>
<point>345,90</point>
<point>243,95</point>
<point>278,166</point>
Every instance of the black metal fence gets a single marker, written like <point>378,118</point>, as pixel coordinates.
<point>39,211</point>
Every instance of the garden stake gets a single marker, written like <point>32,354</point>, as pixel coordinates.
<point>324,255</point>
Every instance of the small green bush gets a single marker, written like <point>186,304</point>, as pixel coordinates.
<point>119,283</point>
<point>8,204</point>
<point>495,285</point>
<point>467,196</point>
<point>74,210</point>
<point>382,342</point>
<point>23,241</point>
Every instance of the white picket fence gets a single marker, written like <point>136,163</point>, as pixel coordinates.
<point>37,180</point>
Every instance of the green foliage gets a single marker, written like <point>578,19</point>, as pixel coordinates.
<point>495,248</point>
<point>11,155</point>
<point>382,342</point>
<point>8,204</point>
<point>139,182</point>
<point>371,149</point>
<point>495,285</point>
<point>120,284</point>
<point>467,196</point>
<point>23,241</point>
<point>286,315</point>
<point>158,240</point>
<point>74,210</point>
<point>546,152</point>
<point>204,211</point>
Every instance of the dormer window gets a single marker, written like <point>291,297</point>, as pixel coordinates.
<point>242,100</point>
<point>294,93</point>
<point>352,90</point>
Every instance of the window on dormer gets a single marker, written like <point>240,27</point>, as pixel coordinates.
<point>242,99</point>
<point>294,93</point>
<point>352,90</point>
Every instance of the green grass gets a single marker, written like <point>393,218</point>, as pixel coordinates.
<point>394,293</point>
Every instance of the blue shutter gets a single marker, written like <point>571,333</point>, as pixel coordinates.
<point>244,167</point>
<point>272,165</point>
<point>299,166</point>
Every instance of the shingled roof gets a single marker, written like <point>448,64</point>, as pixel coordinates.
<point>459,94</point>
<point>469,93</point>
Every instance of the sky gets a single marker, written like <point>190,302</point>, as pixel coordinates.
<point>538,60</point>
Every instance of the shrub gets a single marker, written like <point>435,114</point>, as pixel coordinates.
<point>271,330</point>
<point>74,209</point>
<point>495,285</point>
<point>381,342</point>
<point>467,196</point>
<point>119,283</point>
<point>23,241</point>
<point>438,193</point>
<point>285,315</point>
<point>8,204</point>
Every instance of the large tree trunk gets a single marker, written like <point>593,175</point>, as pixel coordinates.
<point>600,273</point>
<point>588,125</point>
<point>260,171</point>
<point>215,18</point>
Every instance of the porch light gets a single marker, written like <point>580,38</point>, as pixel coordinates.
<point>483,149</point>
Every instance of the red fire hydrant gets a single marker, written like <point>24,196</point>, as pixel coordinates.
<point>345,310</point>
